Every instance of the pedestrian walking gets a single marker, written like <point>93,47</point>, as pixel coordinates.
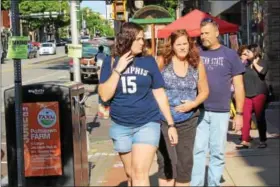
<point>186,87</point>
<point>135,88</point>
<point>256,92</point>
<point>223,67</point>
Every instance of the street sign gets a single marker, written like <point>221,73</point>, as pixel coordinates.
<point>17,48</point>
<point>75,51</point>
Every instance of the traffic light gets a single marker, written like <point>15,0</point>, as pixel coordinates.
<point>119,10</point>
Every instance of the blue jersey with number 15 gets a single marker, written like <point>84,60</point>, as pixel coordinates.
<point>134,102</point>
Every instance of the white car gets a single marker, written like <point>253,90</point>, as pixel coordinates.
<point>47,49</point>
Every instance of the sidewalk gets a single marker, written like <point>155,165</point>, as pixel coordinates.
<point>252,167</point>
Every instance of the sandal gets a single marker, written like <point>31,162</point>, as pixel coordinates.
<point>262,145</point>
<point>242,146</point>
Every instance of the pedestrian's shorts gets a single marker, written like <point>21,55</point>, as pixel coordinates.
<point>125,136</point>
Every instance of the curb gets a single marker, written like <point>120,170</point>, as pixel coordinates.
<point>53,59</point>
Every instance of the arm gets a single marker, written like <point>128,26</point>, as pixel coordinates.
<point>107,89</point>
<point>260,68</point>
<point>109,79</point>
<point>239,92</point>
<point>203,92</point>
<point>239,98</point>
<point>163,104</point>
<point>203,89</point>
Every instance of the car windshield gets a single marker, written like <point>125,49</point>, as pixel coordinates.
<point>46,45</point>
<point>89,50</point>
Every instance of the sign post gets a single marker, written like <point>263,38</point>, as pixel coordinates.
<point>18,97</point>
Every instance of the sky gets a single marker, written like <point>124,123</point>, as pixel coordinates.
<point>96,6</point>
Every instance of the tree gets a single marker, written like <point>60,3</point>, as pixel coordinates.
<point>33,6</point>
<point>27,7</point>
<point>95,22</point>
<point>169,5</point>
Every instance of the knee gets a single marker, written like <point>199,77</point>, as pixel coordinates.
<point>139,173</point>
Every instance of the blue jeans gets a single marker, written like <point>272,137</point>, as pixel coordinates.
<point>211,134</point>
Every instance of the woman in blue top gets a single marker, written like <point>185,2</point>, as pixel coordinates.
<point>134,86</point>
<point>186,87</point>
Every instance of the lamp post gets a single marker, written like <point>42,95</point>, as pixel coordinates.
<point>74,36</point>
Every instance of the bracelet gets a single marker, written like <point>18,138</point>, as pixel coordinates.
<point>239,113</point>
<point>117,72</point>
<point>171,125</point>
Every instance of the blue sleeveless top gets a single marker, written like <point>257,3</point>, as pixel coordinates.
<point>178,89</point>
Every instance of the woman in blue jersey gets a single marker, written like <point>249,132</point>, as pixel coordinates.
<point>186,88</point>
<point>134,86</point>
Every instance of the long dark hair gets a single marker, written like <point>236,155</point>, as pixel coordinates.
<point>125,37</point>
<point>256,49</point>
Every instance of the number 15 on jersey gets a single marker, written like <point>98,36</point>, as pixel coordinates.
<point>129,84</point>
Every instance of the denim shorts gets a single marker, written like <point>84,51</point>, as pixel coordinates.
<point>125,136</point>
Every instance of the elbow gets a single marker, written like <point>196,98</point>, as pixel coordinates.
<point>206,92</point>
<point>102,96</point>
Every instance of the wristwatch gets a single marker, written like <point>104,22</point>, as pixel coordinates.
<point>239,113</point>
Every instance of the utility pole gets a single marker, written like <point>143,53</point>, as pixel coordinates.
<point>18,98</point>
<point>75,40</point>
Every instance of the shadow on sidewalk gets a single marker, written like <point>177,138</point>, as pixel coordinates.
<point>153,181</point>
<point>94,124</point>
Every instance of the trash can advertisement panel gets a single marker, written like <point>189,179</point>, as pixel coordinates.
<point>42,147</point>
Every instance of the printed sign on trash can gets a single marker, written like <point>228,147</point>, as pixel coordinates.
<point>42,147</point>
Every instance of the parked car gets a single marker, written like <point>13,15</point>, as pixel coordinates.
<point>61,42</point>
<point>85,39</point>
<point>47,49</point>
<point>36,44</point>
<point>88,65</point>
<point>32,51</point>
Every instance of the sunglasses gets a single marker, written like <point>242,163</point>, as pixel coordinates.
<point>209,20</point>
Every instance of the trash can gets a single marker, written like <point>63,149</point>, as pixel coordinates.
<point>54,135</point>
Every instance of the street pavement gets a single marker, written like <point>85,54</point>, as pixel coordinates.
<point>252,167</point>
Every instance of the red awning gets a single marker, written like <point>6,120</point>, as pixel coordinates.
<point>191,22</point>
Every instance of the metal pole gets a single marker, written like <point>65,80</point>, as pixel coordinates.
<point>18,98</point>
<point>74,33</point>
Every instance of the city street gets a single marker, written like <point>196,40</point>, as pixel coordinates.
<point>252,167</point>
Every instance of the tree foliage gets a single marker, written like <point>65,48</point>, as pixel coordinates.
<point>27,7</point>
<point>95,22</point>
<point>169,5</point>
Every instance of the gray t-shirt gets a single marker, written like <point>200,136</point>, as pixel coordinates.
<point>221,65</point>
